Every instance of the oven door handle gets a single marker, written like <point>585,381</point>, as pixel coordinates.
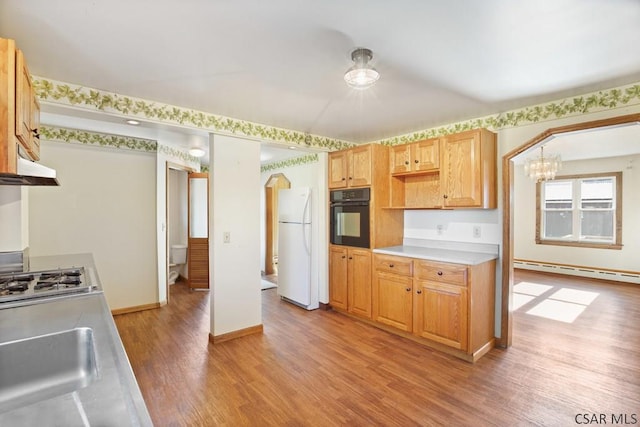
<point>341,204</point>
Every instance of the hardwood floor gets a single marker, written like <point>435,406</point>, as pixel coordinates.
<point>321,368</point>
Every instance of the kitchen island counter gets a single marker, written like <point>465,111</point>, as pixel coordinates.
<point>113,398</point>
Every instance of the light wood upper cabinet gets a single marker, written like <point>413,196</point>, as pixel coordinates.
<point>19,109</point>
<point>27,109</point>
<point>456,171</point>
<point>468,170</point>
<point>421,156</point>
<point>350,168</point>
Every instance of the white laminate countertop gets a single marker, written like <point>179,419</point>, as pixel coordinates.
<point>437,254</point>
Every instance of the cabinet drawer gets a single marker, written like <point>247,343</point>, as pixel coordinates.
<point>439,272</point>
<point>393,264</point>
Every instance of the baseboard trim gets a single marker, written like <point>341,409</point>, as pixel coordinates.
<point>217,339</point>
<point>578,270</point>
<point>126,310</point>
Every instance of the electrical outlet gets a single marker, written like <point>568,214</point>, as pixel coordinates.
<point>226,237</point>
<point>477,231</point>
<point>440,228</point>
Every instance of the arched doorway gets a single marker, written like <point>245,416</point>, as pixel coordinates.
<point>508,214</point>
<point>274,183</point>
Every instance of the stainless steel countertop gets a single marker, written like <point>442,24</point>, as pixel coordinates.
<point>112,400</point>
<point>437,254</point>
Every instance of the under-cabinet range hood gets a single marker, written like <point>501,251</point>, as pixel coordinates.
<point>30,173</point>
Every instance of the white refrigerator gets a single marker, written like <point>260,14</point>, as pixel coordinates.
<point>294,248</point>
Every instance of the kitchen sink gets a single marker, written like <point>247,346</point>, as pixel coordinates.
<point>45,366</point>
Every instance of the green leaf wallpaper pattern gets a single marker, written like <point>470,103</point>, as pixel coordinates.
<point>599,101</point>
<point>66,93</point>
<point>296,161</point>
<point>52,133</point>
<point>75,136</point>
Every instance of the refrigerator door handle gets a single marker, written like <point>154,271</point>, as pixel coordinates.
<point>304,216</point>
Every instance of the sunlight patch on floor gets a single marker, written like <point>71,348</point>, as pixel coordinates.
<point>529,288</point>
<point>520,299</point>
<point>575,296</point>
<point>564,305</point>
<point>557,310</point>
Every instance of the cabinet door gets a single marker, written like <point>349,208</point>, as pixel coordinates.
<point>461,172</point>
<point>359,166</point>
<point>35,127</point>
<point>425,155</point>
<point>441,313</point>
<point>338,169</point>
<point>24,94</point>
<point>338,277</point>
<point>359,282</point>
<point>400,156</point>
<point>392,300</point>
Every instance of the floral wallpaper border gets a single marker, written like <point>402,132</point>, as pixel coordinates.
<point>66,93</point>
<point>295,161</point>
<point>592,102</point>
<point>76,136</point>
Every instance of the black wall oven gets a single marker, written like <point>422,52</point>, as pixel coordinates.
<point>349,222</point>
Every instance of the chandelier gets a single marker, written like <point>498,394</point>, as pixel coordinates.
<point>542,168</point>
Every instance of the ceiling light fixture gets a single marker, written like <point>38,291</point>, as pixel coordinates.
<point>196,152</point>
<point>361,75</point>
<point>542,168</point>
<point>132,122</point>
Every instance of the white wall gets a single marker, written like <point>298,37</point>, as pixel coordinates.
<point>313,175</point>
<point>453,225</point>
<point>525,246</point>
<point>234,268</point>
<point>105,205</point>
<point>14,218</point>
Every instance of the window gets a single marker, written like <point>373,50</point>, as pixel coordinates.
<point>580,210</point>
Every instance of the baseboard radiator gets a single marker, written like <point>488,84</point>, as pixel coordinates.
<point>574,270</point>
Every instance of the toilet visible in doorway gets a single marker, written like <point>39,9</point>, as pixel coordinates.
<point>177,258</point>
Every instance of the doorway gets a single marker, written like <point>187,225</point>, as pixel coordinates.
<point>508,214</point>
<point>176,220</point>
<point>274,183</point>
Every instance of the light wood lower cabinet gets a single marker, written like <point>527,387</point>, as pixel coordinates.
<point>392,291</point>
<point>350,280</point>
<point>440,311</point>
<point>449,304</point>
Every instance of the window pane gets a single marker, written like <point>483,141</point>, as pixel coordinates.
<point>558,224</point>
<point>597,193</point>
<point>601,188</point>
<point>558,190</point>
<point>597,225</point>
<point>559,204</point>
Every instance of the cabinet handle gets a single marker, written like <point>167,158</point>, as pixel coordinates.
<point>408,289</point>
<point>416,161</point>
<point>445,196</point>
<point>418,291</point>
<point>344,256</point>
<point>350,257</point>
<point>350,177</point>
<point>390,265</point>
<point>439,273</point>
<point>35,133</point>
<point>406,162</point>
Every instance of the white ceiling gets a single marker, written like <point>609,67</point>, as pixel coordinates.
<point>281,62</point>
